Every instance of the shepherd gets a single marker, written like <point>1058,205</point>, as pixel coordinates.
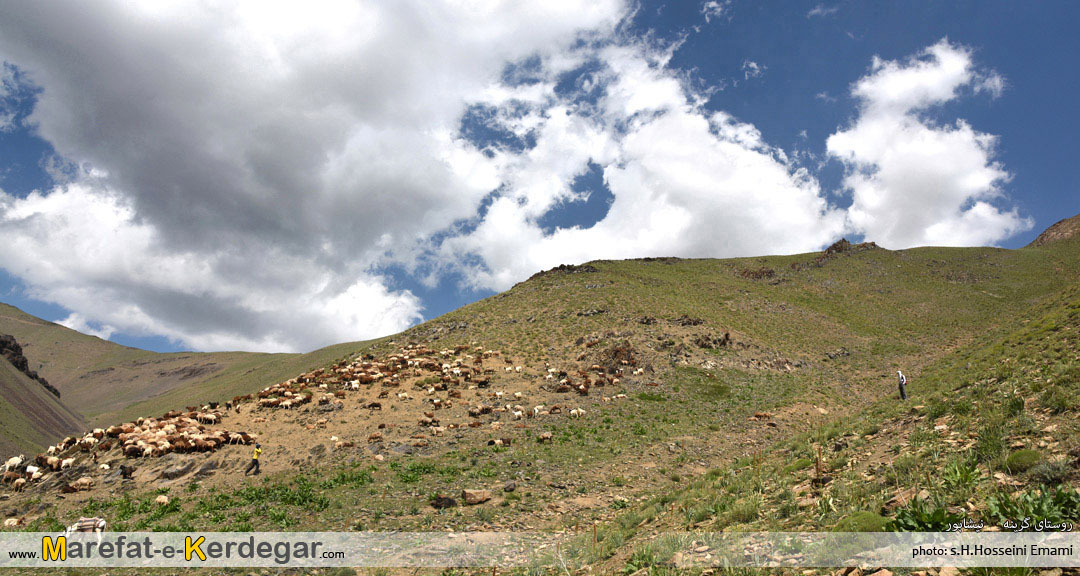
<point>254,460</point>
<point>903,385</point>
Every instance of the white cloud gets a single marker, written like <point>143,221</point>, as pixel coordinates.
<point>825,97</point>
<point>821,10</point>
<point>915,182</point>
<point>684,181</point>
<point>715,9</point>
<point>244,173</point>
<point>249,166</point>
<point>85,248</point>
<point>752,69</point>
<point>76,322</point>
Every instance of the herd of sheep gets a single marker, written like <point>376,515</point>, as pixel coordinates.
<point>440,375</point>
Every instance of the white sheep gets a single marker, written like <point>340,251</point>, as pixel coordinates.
<point>14,462</point>
<point>518,414</point>
<point>67,463</point>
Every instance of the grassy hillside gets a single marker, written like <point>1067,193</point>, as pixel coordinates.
<point>30,417</point>
<point>139,381</point>
<point>756,393</point>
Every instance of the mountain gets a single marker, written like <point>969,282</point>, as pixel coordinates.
<point>82,366</point>
<point>653,396</point>
<point>1062,230</point>
<point>30,416</point>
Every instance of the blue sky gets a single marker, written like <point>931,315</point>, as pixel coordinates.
<point>255,177</point>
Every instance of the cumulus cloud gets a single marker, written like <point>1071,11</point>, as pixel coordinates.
<point>254,164</point>
<point>76,322</point>
<point>685,181</point>
<point>241,177</point>
<point>84,247</point>
<point>914,181</point>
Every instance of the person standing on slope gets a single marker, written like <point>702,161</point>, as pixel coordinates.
<point>903,385</point>
<point>254,460</point>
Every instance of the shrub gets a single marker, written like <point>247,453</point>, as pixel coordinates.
<point>1022,461</point>
<point>862,521</point>
<point>1059,505</point>
<point>797,465</point>
<point>353,478</point>
<point>1049,473</point>
<point>960,477</point>
<point>922,516</point>
<point>1014,405</point>
<point>991,442</point>
<point>1056,399</point>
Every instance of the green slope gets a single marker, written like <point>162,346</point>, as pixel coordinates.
<point>30,417</point>
<point>139,382</point>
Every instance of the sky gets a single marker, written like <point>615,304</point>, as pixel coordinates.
<point>276,176</point>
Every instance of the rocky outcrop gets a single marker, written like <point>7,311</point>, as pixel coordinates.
<point>10,349</point>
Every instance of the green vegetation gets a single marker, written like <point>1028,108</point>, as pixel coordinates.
<point>862,521</point>
<point>1022,460</point>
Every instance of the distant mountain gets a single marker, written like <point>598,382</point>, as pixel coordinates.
<point>30,416</point>
<point>1063,230</point>
<point>105,381</point>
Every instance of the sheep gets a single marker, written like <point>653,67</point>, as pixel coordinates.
<point>104,466</point>
<point>31,470</point>
<point>14,462</point>
<point>53,462</point>
<point>517,414</point>
<point>96,525</point>
<point>12,522</point>
<point>84,483</point>
<point>577,413</point>
<point>162,500</point>
<point>67,463</point>
<point>18,484</point>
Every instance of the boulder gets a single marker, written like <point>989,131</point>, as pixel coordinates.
<point>473,497</point>
<point>177,471</point>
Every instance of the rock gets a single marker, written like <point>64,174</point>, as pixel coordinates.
<point>207,468</point>
<point>162,500</point>
<point>473,497</point>
<point>882,572</point>
<point>948,571</point>
<point>1051,572</point>
<point>510,486</point>
<point>318,449</point>
<point>900,500</point>
<point>177,471</point>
